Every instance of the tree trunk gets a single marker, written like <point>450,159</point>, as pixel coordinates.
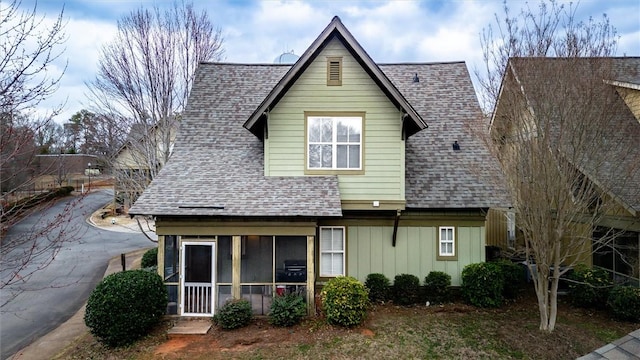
<point>547,294</point>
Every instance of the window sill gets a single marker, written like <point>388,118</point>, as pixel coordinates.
<point>446,258</point>
<point>333,172</point>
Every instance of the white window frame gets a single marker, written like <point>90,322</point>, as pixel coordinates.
<point>443,240</point>
<point>342,251</point>
<point>334,141</point>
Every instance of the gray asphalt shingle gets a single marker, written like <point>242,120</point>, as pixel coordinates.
<point>615,163</point>
<point>217,165</point>
<point>436,175</point>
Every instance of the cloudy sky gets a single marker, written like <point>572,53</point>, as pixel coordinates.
<point>258,31</point>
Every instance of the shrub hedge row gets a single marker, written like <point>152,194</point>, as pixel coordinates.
<point>406,289</point>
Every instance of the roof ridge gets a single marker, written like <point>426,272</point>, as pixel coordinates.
<point>423,63</point>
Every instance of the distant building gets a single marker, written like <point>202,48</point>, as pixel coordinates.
<point>55,164</point>
<point>286,58</point>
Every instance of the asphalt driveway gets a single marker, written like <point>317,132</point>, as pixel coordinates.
<point>30,309</point>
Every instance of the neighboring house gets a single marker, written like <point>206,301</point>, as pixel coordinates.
<point>63,165</point>
<point>284,177</point>
<point>613,166</point>
<point>138,160</point>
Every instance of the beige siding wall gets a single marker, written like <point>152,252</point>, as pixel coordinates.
<point>129,158</point>
<point>497,228</point>
<point>370,250</point>
<point>383,156</point>
<point>632,98</point>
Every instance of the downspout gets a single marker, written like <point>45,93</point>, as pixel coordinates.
<point>403,121</point>
<point>266,124</point>
<point>395,228</point>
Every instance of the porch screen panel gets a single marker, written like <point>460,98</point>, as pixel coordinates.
<point>198,266</point>
<point>224,264</point>
<point>257,259</point>
<point>291,259</point>
<point>171,259</point>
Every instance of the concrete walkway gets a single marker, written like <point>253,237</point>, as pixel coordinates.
<point>627,347</point>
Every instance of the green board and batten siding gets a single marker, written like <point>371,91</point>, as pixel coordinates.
<point>383,145</point>
<point>370,250</point>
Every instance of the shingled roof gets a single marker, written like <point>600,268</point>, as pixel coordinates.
<point>217,165</point>
<point>616,168</point>
<point>436,175</point>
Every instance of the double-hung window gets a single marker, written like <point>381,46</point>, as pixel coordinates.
<point>334,142</point>
<point>332,251</point>
<point>447,242</point>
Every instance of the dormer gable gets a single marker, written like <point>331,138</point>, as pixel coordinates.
<point>412,121</point>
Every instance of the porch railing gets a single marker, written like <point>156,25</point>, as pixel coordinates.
<point>198,299</point>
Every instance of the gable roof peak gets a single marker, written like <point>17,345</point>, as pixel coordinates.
<point>336,28</point>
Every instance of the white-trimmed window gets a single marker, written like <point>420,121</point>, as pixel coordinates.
<point>334,142</point>
<point>332,251</point>
<point>447,241</point>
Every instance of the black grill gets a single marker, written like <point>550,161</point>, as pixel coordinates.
<point>294,271</point>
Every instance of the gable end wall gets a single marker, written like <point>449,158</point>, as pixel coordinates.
<point>383,149</point>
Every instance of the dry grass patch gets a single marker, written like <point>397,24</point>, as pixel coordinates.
<point>390,332</point>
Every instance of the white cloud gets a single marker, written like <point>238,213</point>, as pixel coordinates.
<point>82,49</point>
<point>390,31</point>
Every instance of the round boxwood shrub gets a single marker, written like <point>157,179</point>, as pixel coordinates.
<point>345,301</point>
<point>378,286</point>
<point>234,314</point>
<point>436,287</point>
<point>150,258</point>
<point>624,303</point>
<point>125,306</point>
<point>406,289</point>
<point>513,276</point>
<point>589,287</point>
<point>482,284</point>
<point>287,310</point>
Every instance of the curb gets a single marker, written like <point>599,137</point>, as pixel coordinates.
<point>65,335</point>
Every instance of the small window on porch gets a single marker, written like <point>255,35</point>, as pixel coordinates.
<point>447,243</point>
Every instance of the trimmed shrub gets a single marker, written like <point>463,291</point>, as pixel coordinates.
<point>406,289</point>
<point>436,287</point>
<point>287,310</point>
<point>378,286</point>
<point>624,303</point>
<point>150,258</point>
<point>345,301</point>
<point>513,276</point>
<point>234,314</point>
<point>482,284</point>
<point>125,306</point>
<point>589,287</point>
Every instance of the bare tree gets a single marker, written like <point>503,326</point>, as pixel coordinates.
<point>28,49</point>
<point>559,131</point>
<point>90,133</point>
<point>49,137</point>
<point>144,78</point>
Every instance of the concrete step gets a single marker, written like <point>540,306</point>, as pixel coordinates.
<point>190,327</point>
